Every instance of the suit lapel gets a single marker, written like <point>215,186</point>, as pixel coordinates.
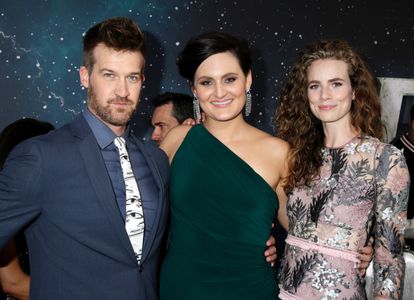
<point>101,183</point>
<point>158,179</point>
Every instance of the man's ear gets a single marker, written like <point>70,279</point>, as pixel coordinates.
<point>84,76</point>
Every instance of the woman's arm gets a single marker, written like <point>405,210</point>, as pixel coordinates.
<point>281,195</point>
<point>282,212</point>
<point>392,188</point>
<point>173,140</point>
<point>13,280</point>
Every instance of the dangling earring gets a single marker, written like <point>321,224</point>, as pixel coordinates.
<point>248,105</point>
<point>196,109</point>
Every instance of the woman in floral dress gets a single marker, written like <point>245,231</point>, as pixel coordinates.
<point>346,185</point>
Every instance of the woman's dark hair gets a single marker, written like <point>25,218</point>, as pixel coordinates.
<point>201,47</point>
<point>119,33</point>
<point>19,131</point>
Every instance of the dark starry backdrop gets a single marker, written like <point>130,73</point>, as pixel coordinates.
<point>40,46</point>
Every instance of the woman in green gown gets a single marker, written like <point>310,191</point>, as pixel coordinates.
<point>226,182</point>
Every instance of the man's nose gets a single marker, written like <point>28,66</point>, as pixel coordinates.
<point>122,89</point>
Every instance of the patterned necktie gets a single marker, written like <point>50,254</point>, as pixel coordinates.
<point>134,221</point>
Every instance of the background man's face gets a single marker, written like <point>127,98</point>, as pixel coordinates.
<point>162,121</point>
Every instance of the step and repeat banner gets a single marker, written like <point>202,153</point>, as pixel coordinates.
<point>41,49</point>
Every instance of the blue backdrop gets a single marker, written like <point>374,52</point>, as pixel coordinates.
<point>40,46</point>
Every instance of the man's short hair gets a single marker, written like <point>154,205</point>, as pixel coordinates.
<point>182,105</point>
<point>118,33</point>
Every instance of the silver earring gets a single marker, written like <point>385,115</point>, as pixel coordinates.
<point>196,109</point>
<point>248,105</point>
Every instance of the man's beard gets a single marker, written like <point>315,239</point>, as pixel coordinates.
<point>105,113</point>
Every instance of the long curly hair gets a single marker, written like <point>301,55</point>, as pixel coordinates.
<point>296,124</point>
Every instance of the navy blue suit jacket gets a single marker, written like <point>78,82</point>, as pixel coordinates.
<point>58,187</point>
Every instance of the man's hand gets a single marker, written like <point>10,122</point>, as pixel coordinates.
<point>365,257</point>
<point>270,252</point>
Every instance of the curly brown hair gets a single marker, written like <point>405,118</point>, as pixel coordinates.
<point>296,124</point>
<point>120,33</point>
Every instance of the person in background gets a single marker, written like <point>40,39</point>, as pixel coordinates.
<point>406,143</point>
<point>78,189</point>
<point>345,185</point>
<point>14,259</point>
<point>170,110</point>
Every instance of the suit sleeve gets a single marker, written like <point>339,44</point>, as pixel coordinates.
<point>20,181</point>
<point>161,159</point>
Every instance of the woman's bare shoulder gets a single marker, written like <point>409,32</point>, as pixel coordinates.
<point>271,156</point>
<point>273,146</point>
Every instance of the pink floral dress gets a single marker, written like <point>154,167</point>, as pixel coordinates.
<point>362,191</point>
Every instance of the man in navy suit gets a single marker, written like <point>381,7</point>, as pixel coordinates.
<point>66,188</point>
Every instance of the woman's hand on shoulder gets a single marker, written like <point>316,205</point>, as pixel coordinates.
<point>173,140</point>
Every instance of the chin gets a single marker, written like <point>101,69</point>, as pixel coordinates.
<point>227,116</point>
<point>119,121</point>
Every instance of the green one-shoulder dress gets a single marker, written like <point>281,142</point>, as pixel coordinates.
<point>221,217</point>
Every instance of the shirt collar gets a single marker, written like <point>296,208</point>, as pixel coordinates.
<point>103,134</point>
<point>406,141</point>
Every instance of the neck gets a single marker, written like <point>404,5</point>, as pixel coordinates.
<point>226,130</point>
<point>337,136</point>
<point>118,130</point>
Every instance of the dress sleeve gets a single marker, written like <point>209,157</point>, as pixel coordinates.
<point>392,190</point>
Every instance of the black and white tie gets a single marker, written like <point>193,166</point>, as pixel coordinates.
<point>134,220</point>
